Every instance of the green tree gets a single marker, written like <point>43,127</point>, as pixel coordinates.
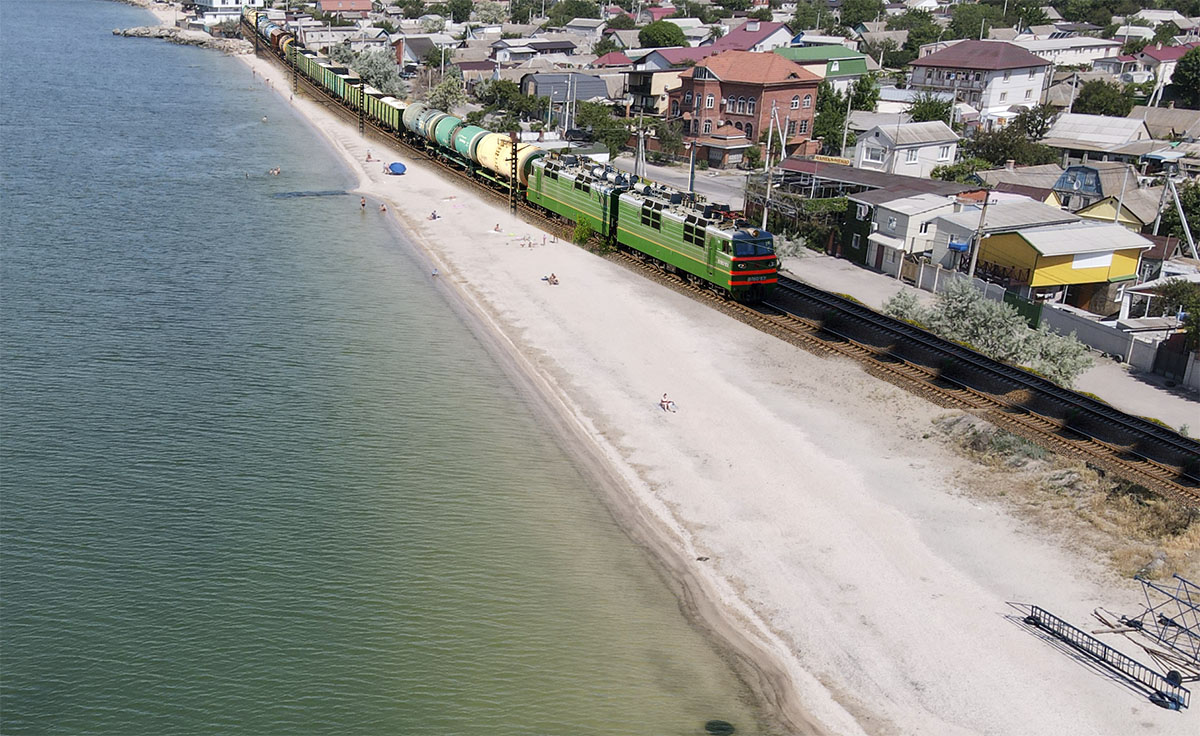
<point>604,46</point>
<point>342,53</point>
<point>830,120</point>
<point>377,68</point>
<point>753,157</point>
<point>1185,81</point>
<point>1178,295</point>
<point>927,106</point>
<point>459,10</point>
<point>1035,122</point>
<point>670,136</point>
<point>661,34</point>
<point>857,11</point>
<point>1103,98</point>
<point>413,8</point>
<point>449,93</point>
<point>865,93</point>
<point>1189,197</point>
<point>433,57</point>
<point>962,172</point>
<point>807,15</point>
<point>965,20</point>
<point>1134,46</point>
<point>763,14</point>
<point>520,11</point>
<point>734,5</point>
<point>922,29</point>
<point>621,23</point>
<point>565,11</point>
<point>490,13</point>
<point>605,128</point>
<point>1008,143</point>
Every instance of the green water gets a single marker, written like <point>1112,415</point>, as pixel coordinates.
<point>255,475</point>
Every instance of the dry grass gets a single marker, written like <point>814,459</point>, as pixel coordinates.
<point>1133,529</point>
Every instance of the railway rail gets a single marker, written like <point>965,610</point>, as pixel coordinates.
<point>940,370</point>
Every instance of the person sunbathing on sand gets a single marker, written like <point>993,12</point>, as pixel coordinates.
<point>667,404</point>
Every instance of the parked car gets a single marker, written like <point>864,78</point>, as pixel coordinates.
<point>578,134</point>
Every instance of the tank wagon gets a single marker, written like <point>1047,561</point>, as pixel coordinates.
<point>657,224</point>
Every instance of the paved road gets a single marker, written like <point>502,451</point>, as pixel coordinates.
<point>725,187</point>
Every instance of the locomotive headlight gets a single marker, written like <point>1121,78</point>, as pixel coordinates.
<point>741,265</point>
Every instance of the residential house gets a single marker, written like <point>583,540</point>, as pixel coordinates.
<point>1157,17</point>
<point>816,38</point>
<point>1042,253</point>
<point>1169,123</point>
<point>894,99</point>
<point>742,89</point>
<point>753,35</point>
<point>991,76</point>
<point>623,39</point>
<point>1161,60</point>
<point>837,65</point>
<point>1081,137</point>
<point>323,38</point>
<point>588,28</point>
<point>215,12</point>
<point>345,9</point>
<point>674,58</point>
<point>569,87</point>
<point>648,90</point>
<point>611,59</point>
<point>1136,209</point>
<point>897,223</point>
<point>523,49</point>
<point>411,49</point>
<point>911,149</point>
<point>1072,50</point>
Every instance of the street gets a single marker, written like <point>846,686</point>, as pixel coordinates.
<point>726,186</point>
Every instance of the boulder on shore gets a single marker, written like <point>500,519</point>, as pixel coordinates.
<point>188,38</point>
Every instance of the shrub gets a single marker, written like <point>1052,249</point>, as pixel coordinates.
<point>583,232</point>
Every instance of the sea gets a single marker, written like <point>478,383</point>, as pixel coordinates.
<point>257,473</point>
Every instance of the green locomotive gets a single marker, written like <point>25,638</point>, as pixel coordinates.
<point>659,225</point>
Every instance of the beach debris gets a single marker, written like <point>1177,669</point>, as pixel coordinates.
<point>719,728</point>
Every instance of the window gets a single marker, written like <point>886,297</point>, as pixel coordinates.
<point>944,153</point>
<point>856,242</point>
<point>749,131</point>
<point>708,102</point>
<point>791,128</point>
<point>750,105</point>
<point>1028,94</point>
<point>738,125</point>
<point>833,66</point>
<point>707,126</point>
<point>687,97</point>
<point>1032,73</point>
<point>807,101</point>
<point>910,156</point>
<point>924,228</point>
<point>891,224</point>
<point>796,102</point>
<point>874,155</point>
<point>730,104</point>
<point>1003,96</point>
<point>675,109</point>
<point>1007,74</point>
<point>741,105</point>
<point>803,127</point>
<point>862,212</point>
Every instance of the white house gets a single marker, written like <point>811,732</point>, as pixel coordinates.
<point>909,149</point>
<point>212,12</point>
<point>991,76</point>
<point>900,224</point>
<point>1071,51</point>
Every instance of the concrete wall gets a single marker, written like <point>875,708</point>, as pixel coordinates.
<point>1138,353</point>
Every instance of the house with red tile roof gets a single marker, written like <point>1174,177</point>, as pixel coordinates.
<point>754,35</point>
<point>740,89</point>
<point>1161,60</point>
<point>612,58</point>
<point>349,9</point>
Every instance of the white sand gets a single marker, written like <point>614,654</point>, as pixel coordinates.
<point>861,592</point>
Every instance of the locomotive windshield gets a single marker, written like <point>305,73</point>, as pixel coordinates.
<point>757,247</point>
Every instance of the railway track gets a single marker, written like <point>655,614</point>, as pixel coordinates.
<point>944,372</point>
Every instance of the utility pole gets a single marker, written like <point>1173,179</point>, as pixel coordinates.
<point>774,121</point>
<point>695,142</point>
<point>977,241</point>
<point>846,126</point>
<point>1183,222</point>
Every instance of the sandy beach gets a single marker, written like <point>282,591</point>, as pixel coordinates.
<point>793,501</point>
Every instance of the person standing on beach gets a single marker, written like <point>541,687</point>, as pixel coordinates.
<point>362,203</point>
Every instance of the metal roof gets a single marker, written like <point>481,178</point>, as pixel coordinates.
<point>1078,131</point>
<point>1082,237</point>
<point>913,134</point>
<point>1011,215</point>
<point>983,55</point>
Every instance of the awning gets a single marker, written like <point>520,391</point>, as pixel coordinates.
<point>886,241</point>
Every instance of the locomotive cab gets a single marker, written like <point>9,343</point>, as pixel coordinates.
<point>754,265</point>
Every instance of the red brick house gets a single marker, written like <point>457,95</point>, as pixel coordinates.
<point>738,88</point>
<point>348,9</point>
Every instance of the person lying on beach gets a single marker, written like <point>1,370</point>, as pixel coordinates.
<point>667,404</point>
<point>433,215</point>
<point>553,280</point>
<point>497,228</point>
<point>382,207</point>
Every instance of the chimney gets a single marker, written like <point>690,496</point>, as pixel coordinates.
<point>1158,46</point>
<point>752,25</point>
<point>1171,105</point>
<point>1010,165</point>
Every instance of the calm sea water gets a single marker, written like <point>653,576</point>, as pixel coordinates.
<point>257,477</point>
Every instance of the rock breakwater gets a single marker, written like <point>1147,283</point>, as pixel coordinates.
<point>188,38</point>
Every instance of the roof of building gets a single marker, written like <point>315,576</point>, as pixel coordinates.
<point>679,55</point>
<point>585,23</point>
<point>1076,131</point>
<point>555,85</point>
<point>1010,215</point>
<point>746,66</point>
<point>1168,122</point>
<point>861,120</point>
<point>988,55</point>
<point>613,58</point>
<point>1081,237</point>
<point>1038,193</point>
<point>342,6</point>
<point>1141,202</point>
<point>875,179</point>
<point>746,36</point>
<point>916,204</point>
<point>1044,176</point>
<point>817,53</point>
<point>891,93</point>
<point>627,38</point>
<point>918,134</point>
<point>1161,53</point>
<point>1037,45</point>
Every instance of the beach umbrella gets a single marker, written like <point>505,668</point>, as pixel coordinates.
<point>396,168</point>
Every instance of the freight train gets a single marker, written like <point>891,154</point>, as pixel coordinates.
<point>655,223</point>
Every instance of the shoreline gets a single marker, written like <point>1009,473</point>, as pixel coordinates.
<point>812,655</point>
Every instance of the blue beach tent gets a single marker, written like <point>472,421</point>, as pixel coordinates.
<point>397,168</point>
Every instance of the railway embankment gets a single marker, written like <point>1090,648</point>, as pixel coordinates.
<point>188,38</point>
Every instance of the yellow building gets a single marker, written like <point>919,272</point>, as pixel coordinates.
<point>1081,257</point>
<point>1139,207</point>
